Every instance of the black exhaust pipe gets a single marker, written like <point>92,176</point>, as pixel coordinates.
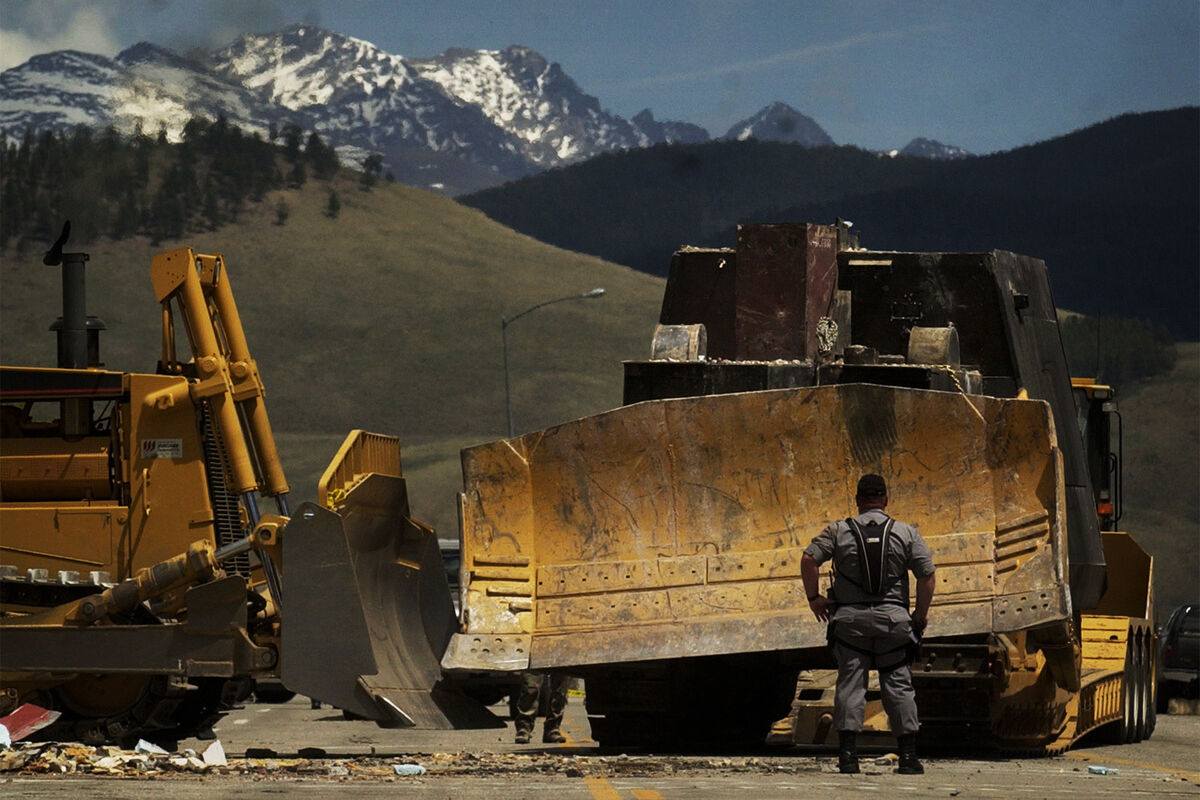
<point>78,334</point>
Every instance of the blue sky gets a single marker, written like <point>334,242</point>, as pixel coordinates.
<point>979,74</point>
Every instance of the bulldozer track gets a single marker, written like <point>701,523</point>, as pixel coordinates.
<point>166,710</point>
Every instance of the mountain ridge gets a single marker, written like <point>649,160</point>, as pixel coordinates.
<point>458,121</point>
<point>1111,208</point>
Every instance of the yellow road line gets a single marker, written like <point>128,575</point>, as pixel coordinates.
<point>601,789</point>
<point>1184,774</point>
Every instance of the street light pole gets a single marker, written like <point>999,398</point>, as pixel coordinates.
<point>504,323</point>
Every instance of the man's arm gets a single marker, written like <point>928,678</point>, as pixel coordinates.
<point>810,572</point>
<point>921,561</point>
<point>920,614</point>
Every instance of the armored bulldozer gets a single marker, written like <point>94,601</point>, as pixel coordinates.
<point>654,549</point>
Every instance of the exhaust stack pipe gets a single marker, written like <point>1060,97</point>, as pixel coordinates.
<point>78,334</point>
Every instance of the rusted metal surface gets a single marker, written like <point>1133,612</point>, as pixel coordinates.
<point>786,278</point>
<point>761,301</point>
<point>700,291</point>
<point>674,528</point>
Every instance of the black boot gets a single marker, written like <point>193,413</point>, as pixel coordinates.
<point>909,763</point>
<point>847,753</point>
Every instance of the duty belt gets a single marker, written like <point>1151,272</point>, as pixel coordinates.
<point>873,603</point>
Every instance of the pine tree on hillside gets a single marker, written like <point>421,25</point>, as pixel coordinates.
<point>211,207</point>
<point>372,166</point>
<point>292,136</point>
<point>323,158</point>
<point>114,185</point>
<point>128,215</point>
<point>298,175</point>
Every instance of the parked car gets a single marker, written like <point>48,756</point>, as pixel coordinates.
<point>1179,657</point>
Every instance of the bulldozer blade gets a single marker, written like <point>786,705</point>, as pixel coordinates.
<point>368,612</point>
<point>675,528</point>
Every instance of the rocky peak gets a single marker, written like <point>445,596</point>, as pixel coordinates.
<point>148,53</point>
<point>68,62</point>
<point>305,65</point>
<point>779,122</point>
<point>929,148</point>
<point>655,132</point>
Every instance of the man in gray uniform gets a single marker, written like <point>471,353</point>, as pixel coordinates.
<point>867,611</point>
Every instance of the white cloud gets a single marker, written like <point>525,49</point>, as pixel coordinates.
<point>806,53</point>
<point>42,27</point>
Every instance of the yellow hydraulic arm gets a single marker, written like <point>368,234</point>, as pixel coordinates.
<point>228,378</point>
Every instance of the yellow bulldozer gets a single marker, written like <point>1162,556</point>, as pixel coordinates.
<point>654,549</point>
<point>142,589</point>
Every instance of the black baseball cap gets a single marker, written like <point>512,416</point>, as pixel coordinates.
<point>872,486</point>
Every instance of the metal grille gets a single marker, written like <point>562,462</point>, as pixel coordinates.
<point>227,519</point>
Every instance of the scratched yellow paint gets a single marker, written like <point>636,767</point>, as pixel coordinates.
<point>694,511</point>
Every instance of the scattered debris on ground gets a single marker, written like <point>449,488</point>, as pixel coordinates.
<point>150,761</point>
<point>26,719</point>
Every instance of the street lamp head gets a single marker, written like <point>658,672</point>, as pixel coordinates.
<point>504,323</point>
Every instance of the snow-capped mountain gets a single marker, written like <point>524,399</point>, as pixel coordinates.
<point>459,121</point>
<point>360,95</point>
<point>57,90</point>
<point>534,100</point>
<point>928,148</point>
<point>509,111</point>
<point>144,87</point>
<point>157,88</point>
<point>779,122</point>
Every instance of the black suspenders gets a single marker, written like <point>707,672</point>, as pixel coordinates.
<point>872,545</point>
<point>872,541</point>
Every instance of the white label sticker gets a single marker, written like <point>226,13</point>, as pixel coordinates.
<point>162,448</point>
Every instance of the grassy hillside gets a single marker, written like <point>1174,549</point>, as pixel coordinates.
<point>1162,476</point>
<point>387,318</point>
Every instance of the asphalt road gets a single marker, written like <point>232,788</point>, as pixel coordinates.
<point>294,750</point>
